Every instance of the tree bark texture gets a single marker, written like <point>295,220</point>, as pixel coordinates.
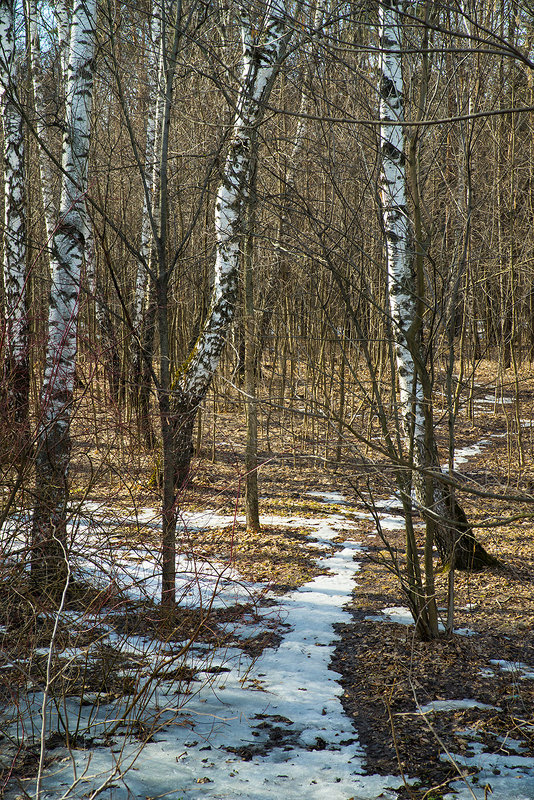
<point>67,254</point>
<point>453,536</point>
<point>41,115</point>
<point>16,365</point>
<point>151,201</point>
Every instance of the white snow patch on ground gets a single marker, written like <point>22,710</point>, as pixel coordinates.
<point>391,523</point>
<point>523,671</point>
<point>402,616</point>
<point>463,455</point>
<point>510,777</point>
<point>329,497</point>
<point>282,713</point>
<point>491,398</point>
<point>399,614</point>
<point>452,705</point>
<point>260,730</point>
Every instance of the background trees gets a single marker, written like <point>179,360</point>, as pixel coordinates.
<point>180,90</point>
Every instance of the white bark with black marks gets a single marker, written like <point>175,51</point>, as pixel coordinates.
<point>67,254</point>
<point>453,536</point>
<point>41,119</point>
<point>14,233</point>
<point>155,88</point>
<point>397,225</point>
<point>262,55</point>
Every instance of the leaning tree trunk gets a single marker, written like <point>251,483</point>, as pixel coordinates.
<point>262,56</point>
<point>453,535</point>
<point>49,556</point>
<point>16,366</point>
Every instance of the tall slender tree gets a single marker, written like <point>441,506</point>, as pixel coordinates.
<point>14,232</point>
<point>41,115</point>
<point>453,536</point>
<point>49,543</point>
<point>264,45</point>
<point>144,297</point>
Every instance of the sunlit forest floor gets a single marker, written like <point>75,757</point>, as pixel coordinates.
<point>386,673</point>
<point>388,677</point>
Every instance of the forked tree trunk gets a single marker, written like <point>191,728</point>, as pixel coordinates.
<point>49,542</point>
<point>16,364</point>
<point>453,535</point>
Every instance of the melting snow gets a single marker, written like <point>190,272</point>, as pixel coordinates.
<point>452,705</point>
<point>260,730</point>
<point>329,497</point>
<point>523,671</point>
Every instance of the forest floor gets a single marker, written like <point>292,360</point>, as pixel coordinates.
<point>390,679</point>
<point>387,674</point>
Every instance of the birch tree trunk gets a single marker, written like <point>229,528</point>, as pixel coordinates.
<point>16,367</point>
<point>67,254</point>
<point>144,297</point>
<point>453,536</point>
<point>262,55</point>
<point>36,71</point>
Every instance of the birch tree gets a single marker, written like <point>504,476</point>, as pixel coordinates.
<point>144,287</point>
<point>278,279</point>
<point>446,521</point>
<point>67,254</point>
<point>263,49</point>
<point>14,233</point>
<point>41,114</point>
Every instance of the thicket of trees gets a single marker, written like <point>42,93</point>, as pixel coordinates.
<point>326,206</point>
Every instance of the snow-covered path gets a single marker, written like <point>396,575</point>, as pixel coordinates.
<point>257,730</point>
<point>269,729</point>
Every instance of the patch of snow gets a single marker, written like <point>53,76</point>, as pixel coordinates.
<point>329,497</point>
<point>452,705</point>
<point>486,673</point>
<point>391,504</point>
<point>524,671</point>
<point>465,632</point>
<point>398,614</point>
<point>260,730</point>
<point>491,398</point>
<point>402,616</point>
<point>465,453</point>
<point>392,523</point>
<point>511,777</point>
<point>515,745</point>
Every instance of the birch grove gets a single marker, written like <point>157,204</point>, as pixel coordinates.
<point>370,289</point>
<point>67,254</point>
